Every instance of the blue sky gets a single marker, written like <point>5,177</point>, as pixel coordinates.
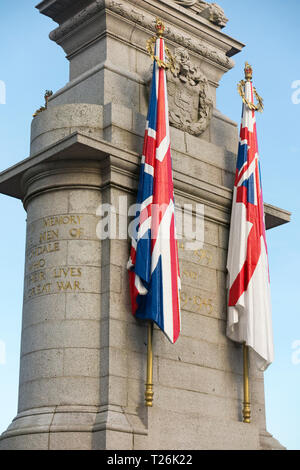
<point>30,63</point>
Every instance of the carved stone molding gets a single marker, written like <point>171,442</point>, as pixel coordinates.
<point>145,20</point>
<point>211,11</point>
<point>189,97</point>
<point>207,51</point>
<point>186,3</point>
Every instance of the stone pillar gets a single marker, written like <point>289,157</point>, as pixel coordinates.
<point>83,356</point>
<point>60,351</point>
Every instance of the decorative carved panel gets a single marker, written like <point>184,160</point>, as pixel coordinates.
<point>190,102</point>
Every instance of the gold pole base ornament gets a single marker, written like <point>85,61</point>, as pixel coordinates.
<point>247,405</point>
<point>247,413</point>
<point>149,383</point>
<point>241,89</point>
<point>149,395</point>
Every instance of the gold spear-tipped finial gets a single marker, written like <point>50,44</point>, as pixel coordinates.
<point>248,72</point>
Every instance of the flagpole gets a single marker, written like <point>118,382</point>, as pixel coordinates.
<point>149,383</point>
<point>160,28</point>
<point>247,405</point>
<point>253,107</point>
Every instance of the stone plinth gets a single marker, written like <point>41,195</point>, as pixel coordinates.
<point>83,356</point>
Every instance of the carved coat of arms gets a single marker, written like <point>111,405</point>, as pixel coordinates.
<point>190,102</point>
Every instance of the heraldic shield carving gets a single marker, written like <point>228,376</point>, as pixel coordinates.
<point>190,102</point>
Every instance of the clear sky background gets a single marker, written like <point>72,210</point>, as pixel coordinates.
<point>30,63</point>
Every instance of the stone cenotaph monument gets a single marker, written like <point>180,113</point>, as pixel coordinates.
<point>83,355</point>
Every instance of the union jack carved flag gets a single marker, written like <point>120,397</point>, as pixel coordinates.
<point>153,264</point>
<point>249,307</point>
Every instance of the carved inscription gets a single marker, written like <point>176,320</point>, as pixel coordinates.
<point>192,297</point>
<point>195,303</point>
<point>47,241</point>
<point>202,256</point>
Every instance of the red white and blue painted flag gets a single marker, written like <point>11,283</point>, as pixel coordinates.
<point>249,307</point>
<point>153,264</point>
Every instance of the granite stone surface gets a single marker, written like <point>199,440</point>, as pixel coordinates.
<point>83,355</point>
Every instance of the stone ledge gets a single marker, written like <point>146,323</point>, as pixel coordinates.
<point>77,146</point>
<point>275,216</point>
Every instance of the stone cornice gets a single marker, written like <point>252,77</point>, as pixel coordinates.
<point>58,10</point>
<point>77,20</point>
<point>145,18</point>
<point>78,146</point>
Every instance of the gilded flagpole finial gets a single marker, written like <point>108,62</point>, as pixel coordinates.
<point>248,72</point>
<point>160,28</point>
<point>241,89</point>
